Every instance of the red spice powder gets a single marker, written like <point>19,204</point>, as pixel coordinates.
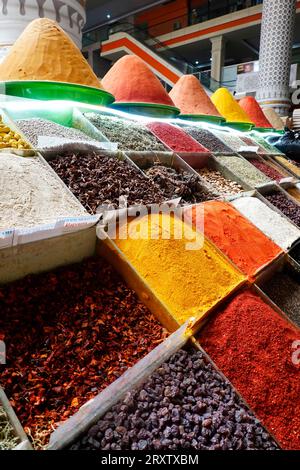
<point>267,170</point>
<point>235,235</point>
<point>254,111</point>
<point>175,138</point>
<point>252,345</point>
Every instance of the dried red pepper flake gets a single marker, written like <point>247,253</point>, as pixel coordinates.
<point>175,138</point>
<point>69,333</point>
<point>253,345</point>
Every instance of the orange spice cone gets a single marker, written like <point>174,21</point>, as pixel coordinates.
<point>130,80</point>
<point>190,97</point>
<point>254,111</point>
<point>45,52</point>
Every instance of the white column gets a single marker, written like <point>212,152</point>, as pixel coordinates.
<point>15,15</point>
<point>217,57</point>
<point>277,33</point>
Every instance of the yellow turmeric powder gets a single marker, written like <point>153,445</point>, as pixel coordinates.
<point>228,107</point>
<point>188,281</point>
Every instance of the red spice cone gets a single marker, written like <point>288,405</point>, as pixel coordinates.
<point>254,111</point>
<point>130,80</point>
<point>190,97</point>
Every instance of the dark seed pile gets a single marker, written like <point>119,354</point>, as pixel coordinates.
<point>97,179</point>
<point>179,183</point>
<point>207,139</point>
<point>288,207</point>
<point>284,289</point>
<point>185,404</point>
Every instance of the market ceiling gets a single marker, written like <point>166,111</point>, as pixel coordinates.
<point>100,12</point>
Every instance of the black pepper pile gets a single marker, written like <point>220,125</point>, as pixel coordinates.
<point>69,333</point>
<point>179,183</point>
<point>185,404</point>
<point>288,207</point>
<point>207,139</point>
<point>128,134</point>
<point>97,179</point>
<point>284,289</point>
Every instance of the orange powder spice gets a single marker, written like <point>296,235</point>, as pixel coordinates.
<point>234,235</point>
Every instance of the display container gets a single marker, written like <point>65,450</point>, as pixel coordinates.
<point>19,432</point>
<point>147,109</point>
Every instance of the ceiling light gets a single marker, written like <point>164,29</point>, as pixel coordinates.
<point>108,16</point>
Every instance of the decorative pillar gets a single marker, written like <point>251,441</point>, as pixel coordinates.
<point>277,34</point>
<point>16,14</point>
<point>217,57</point>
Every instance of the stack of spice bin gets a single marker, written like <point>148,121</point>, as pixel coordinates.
<point>187,330</point>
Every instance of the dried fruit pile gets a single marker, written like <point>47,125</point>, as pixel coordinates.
<point>97,179</point>
<point>185,404</point>
<point>179,183</point>
<point>272,173</point>
<point>69,333</point>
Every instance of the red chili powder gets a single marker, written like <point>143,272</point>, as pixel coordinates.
<point>175,138</point>
<point>253,346</point>
<point>246,246</point>
<point>267,170</point>
<point>252,108</point>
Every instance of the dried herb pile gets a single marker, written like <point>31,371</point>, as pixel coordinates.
<point>69,333</point>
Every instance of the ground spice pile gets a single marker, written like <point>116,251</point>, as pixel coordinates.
<point>219,183</point>
<point>185,404</point>
<point>253,346</point>
<point>273,118</point>
<point>175,138</point>
<point>179,183</point>
<point>284,289</point>
<point>232,141</point>
<point>287,206</point>
<point>228,107</point>
<point>254,111</point>
<point>97,179</point>
<point>127,134</point>
<point>31,195</point>
<point>207,139</point>
<point>190,97</point>
<point>131,80</point>
<point>268,170</point>
<point>45,52</point>
<point>246,246</point>
<point>185,271</point>
<point>274,225</point>
<point>69,333</point>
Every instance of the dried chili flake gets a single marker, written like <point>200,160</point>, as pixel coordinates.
<point>69,334</point>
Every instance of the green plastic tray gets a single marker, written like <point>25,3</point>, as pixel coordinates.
<point>202,118</point>
<point>264,129</point>
<point>46,90</point>
<point>147,109</point>
<point>239,126</point>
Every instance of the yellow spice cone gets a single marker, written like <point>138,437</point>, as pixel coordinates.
<point>45,52</point>
<point>228,106</point>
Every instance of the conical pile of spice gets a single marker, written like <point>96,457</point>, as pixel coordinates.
<point>254,111</point>
<point>45,52</point>
<point>228,107</point>
<point>190,97</point>
<point>130,80</point>
<point>273,118</point>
